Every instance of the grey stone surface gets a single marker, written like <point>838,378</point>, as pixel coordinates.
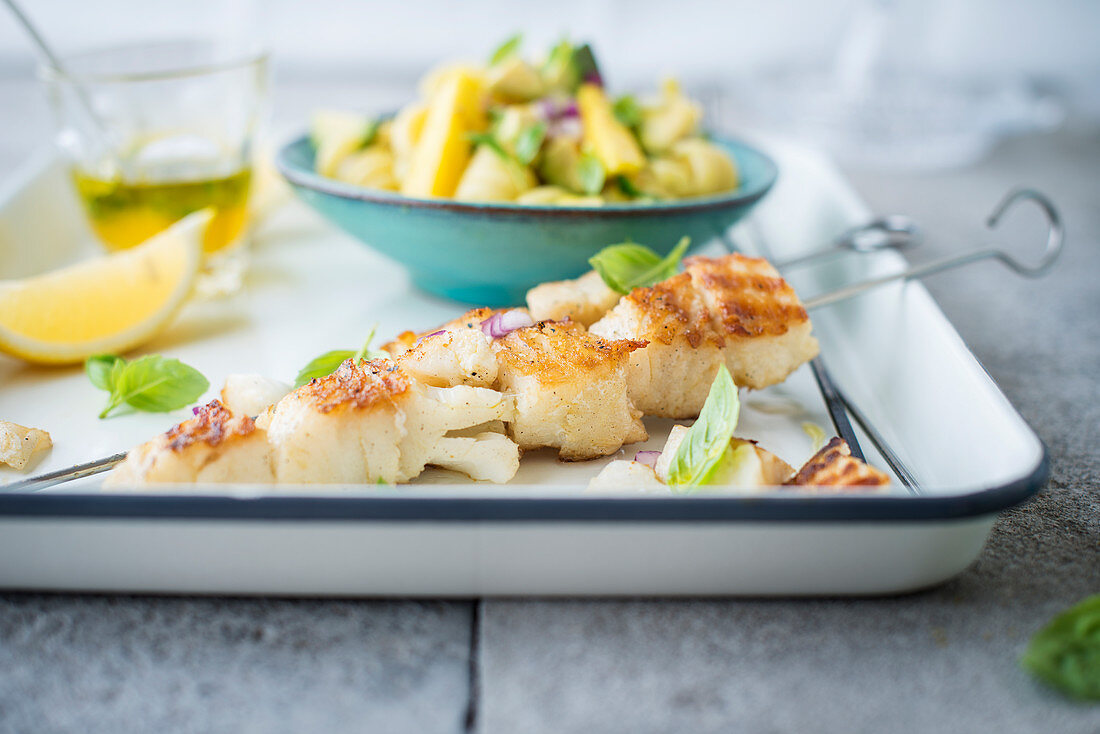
<point>939,661</point>
<point>134,664</point>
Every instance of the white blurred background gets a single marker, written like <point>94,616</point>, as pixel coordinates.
<point>870,80</point>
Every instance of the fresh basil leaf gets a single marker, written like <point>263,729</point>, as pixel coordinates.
<point>628,188</point>
<point>585,66</point>
<point>708,439</point>
<point>506,49</point>
<point>116,373</point>
<point>1066,653</point>
<point>628,266</point>
<point>627,111</point>
<point>322,366</point>
<point>591,174</point>
<point>100,370</point>
<point>327,363</point>
<point>152,383</point>
<point>529,141</point>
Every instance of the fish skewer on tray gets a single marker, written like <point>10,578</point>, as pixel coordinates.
<point>564,387</point>
<point>508,383</point>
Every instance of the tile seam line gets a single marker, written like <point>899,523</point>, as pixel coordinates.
<point>473,670</point>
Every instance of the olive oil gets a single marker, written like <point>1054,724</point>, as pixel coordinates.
<point>124,213</point>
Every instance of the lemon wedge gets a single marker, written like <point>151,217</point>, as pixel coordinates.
<point>105,305</point>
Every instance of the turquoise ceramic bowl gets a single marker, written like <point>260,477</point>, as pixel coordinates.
<point>491,254</point>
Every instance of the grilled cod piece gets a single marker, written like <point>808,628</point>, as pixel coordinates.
<point>570,390</point>
<point>735,310</point>
<point>835,467</point>
<point>569,386</point>
<point>364,423</point>
<point>214,447</point>
<point>372,422</point>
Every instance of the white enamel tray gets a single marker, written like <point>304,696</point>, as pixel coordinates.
<point>311,289</point>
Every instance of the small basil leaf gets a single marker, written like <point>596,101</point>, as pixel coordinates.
<point>628,266</point>
<point>100,370</point>
<point>506,49</point>
<point>709,437</point>
<point>591,174</point>
<point>529,142</point>
<point>1066,653</point>
<point>627,111</point>
<point>584,62</point>
<point>323,366</point>
<point>157,384</point>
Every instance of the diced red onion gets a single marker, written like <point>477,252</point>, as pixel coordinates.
<point>505,322</point>
<point>593,77</point>
<point>649,458</point>
<point>558,108</point>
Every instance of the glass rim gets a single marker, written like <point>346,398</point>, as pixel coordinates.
<point>240,60</point>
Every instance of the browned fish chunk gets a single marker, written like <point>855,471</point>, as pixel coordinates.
<point>372,421</point>
<point>570,390</point>
<point>733,310</point>
<point>834,466</point>
<point>213,447</point>
<point>569,386</point>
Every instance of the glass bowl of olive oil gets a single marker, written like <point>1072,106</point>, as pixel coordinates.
<point>157,131</point>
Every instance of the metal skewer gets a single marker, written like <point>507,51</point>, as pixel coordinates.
<point>893,232</point>
<point>1055,239</point>
<point>91,468</point>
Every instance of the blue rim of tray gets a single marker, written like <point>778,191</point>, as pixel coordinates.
<point>294,508</point>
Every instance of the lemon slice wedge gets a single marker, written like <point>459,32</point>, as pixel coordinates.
<point>105,305</point>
